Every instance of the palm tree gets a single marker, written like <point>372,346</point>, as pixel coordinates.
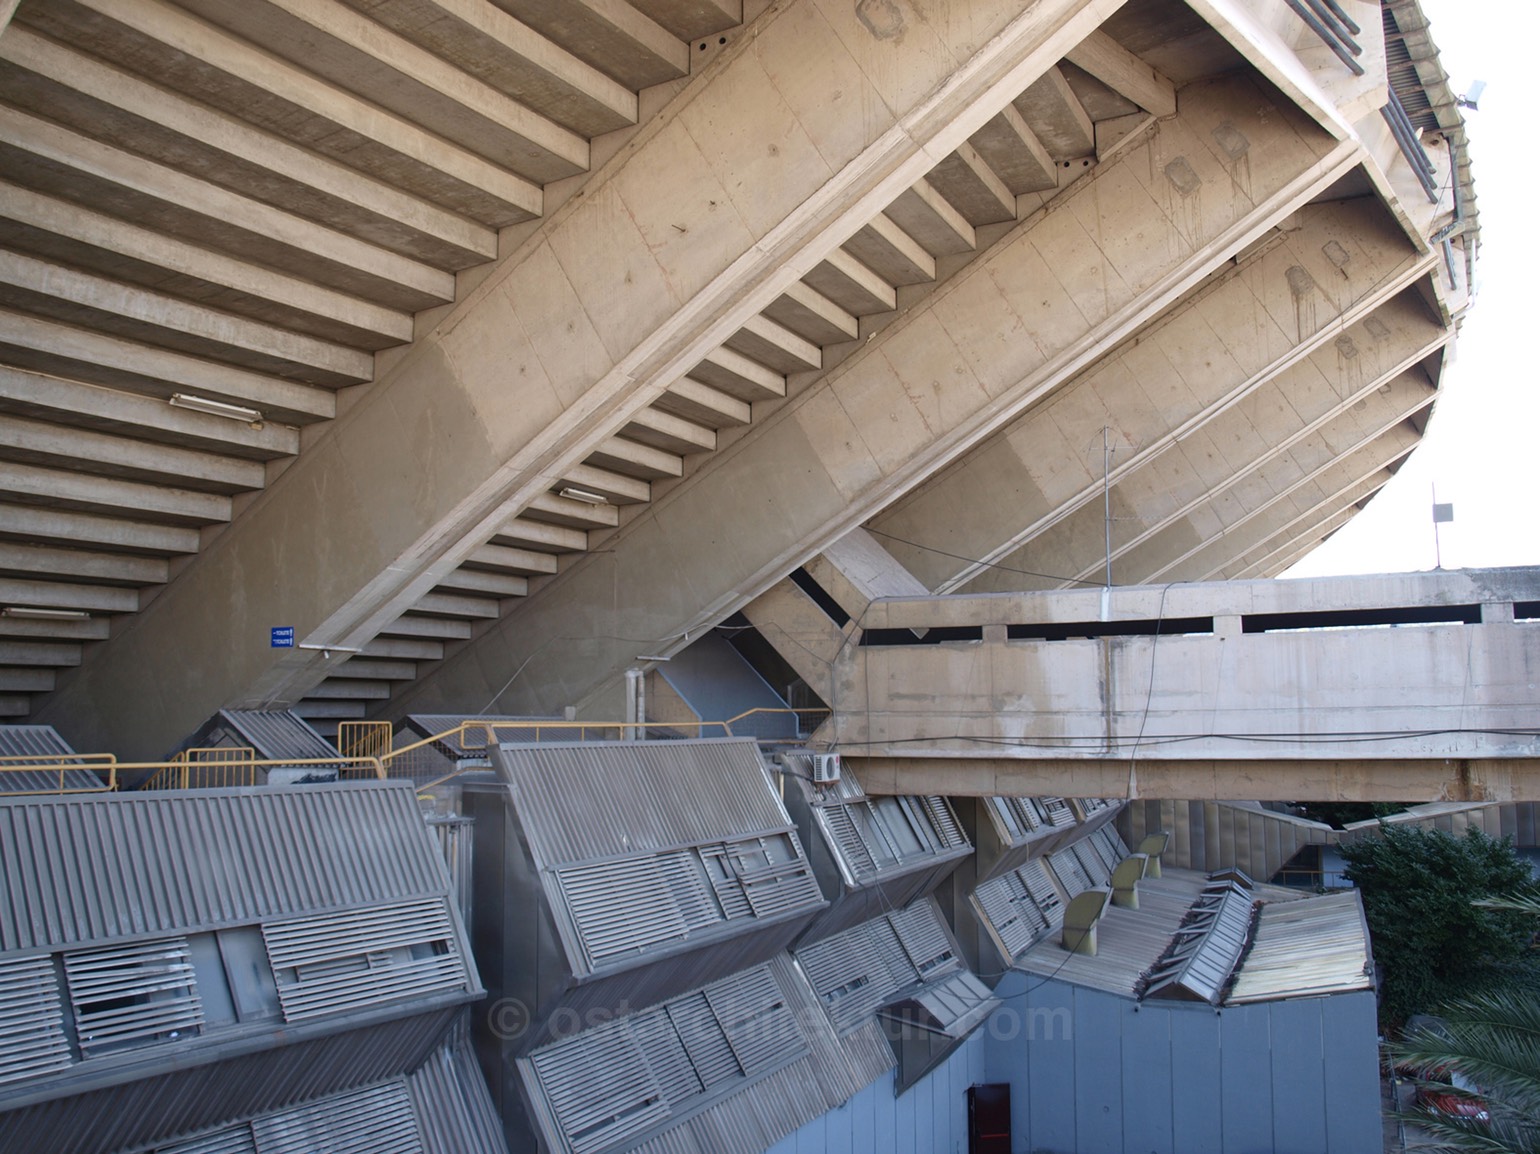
<point>1490,1040</point>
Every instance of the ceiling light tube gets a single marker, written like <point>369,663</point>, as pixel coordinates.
<point>586,496</point>
<point>44,614</point>
<point>215,408</point>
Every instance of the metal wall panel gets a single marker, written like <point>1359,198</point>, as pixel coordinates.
<point>92,869</point>
<point>453,1106</point>
<point>273,733</point>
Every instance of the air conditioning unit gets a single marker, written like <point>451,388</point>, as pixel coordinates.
<point>826,768</point>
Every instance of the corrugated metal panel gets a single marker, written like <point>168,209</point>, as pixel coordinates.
<point>1071,874</point>
<point>924,939</point>
<point>1315,946</point>
<point>32,741</point>
<point>275,734</point>
<point>330,964</point>
<point>1008,910</point>
<point>453,1106</point>
<point>40,741</point>
<point>952,1005</point>
<point>92,869</point>
<point>581,802</point>
<point>378,1120</point>
<point>32,1040</point>
<point>135,993</point>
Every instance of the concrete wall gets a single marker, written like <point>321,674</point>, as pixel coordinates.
<point>1099,1074</point>
<point>929,1118</point>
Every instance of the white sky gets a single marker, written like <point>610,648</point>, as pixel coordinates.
<point>1482,449</point>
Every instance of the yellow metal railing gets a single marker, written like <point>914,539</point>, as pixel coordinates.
<point>364,738</point>
<point>103,765</point>
<point>213,767</point>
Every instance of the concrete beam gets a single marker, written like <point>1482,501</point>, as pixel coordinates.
<point>61,527</point>
<point>42,443</point>
<point>148,418</point>
<point>68,351</point>
<point>220,69</point>
<point>1283,304</point>
<point>68,233</point>
<point>81,565</point>
<point>338,44</point>
<point>53,159</point>
<point>92,97</point>
<point>618,39</point>
<point>67,595</point>
<point>923,392</point>
<point>1124,73</point>
<point>1393,779</point>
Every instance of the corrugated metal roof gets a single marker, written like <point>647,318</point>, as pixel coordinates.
<point>40,741</point>
<point>275,734</point>
<point>93,869</point>
<point>578,802</point>
<point>1319,945</point>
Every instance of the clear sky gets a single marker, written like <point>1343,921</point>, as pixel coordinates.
<point>1482,449</point>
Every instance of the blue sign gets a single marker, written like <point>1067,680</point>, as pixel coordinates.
<point>283,637</point>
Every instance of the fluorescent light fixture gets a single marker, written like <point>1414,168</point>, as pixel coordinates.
<point>584,495</point>
<point>650,657</point>
<point>215,408</point>
<point>44,614</point>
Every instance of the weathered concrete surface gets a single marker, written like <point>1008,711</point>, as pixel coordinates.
<point>999,336</point>
<point>793,139</point>
<point>1337,677</point>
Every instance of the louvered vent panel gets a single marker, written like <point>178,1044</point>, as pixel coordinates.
<point>686,881</point>
<point>1040,886</point>
<point>620,908</point>
<point>600,1088</point>
<point>725,882</point>
<point>32,1040</point>
<point>237,1140</point>
<point>704,1039</point>
<point>843,832</point>
<point>659,1042</point>
<point>354,960</point>
<point>1112,844</point>
<point>760,1026</point>
<point>1011,913</point>
<point>379,1120</point>
<point>1057,810</point>
<point>924,941</point>
<point>782,886</point>
<point>1066,867</point>
<point>1091,863</point>
<point>945,821</point>
<point>132,994</point>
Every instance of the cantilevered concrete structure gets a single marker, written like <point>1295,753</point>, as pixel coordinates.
<point>496,349</point>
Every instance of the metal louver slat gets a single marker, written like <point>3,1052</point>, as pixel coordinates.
<point>138,993</point>
<point>704,1039</point>
<point>760,1027</point>
<point>725,882</point>
<point>356,959</point>
<point>620,908</point>
<point>32,1040</point>
<point>600,1087</point>
<point>1040,886</point>
<point>236,1140</point>
<point>923,939</point>
<point>1004,915</point>
<point>1071,874</point>
<point>945,821</point>
<point>1112,842</point>
<point>379,1120</point>
<point>1057,811</point>
<point>686,881</point>
<point>1091,863</point>
<point>665,1053</point>
<point>847,840</point>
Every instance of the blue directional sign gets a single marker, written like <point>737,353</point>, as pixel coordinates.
<point>283,637</point>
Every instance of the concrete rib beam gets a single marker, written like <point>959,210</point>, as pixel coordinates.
<point>67,489</point>
<point>39,442</point>
<point>63,527</point>
<point>90,95</point>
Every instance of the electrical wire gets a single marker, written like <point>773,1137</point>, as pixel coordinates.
<point>985,564</point>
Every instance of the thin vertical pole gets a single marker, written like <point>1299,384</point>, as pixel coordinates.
<point>1438,556</point>
<point>1107,496</point>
